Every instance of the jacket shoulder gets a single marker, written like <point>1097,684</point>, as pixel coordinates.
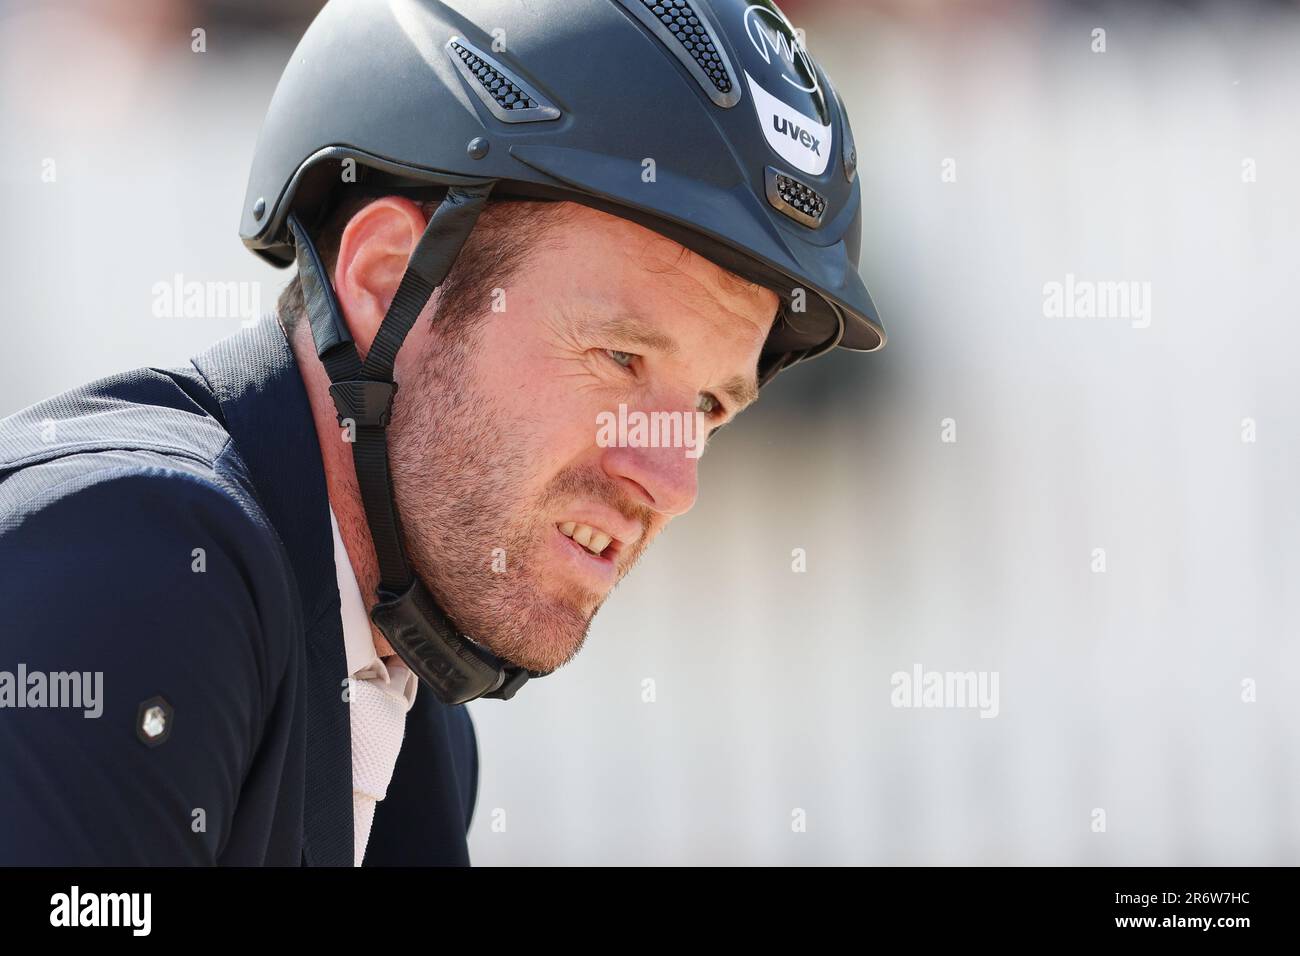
<point>147,423</point>
<point>109,534</point>
<point>165,411</point>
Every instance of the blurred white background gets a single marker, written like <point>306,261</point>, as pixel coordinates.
<point>1119,690</point>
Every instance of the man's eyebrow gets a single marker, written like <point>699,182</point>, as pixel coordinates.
<point>631,328</point>
<point>742,391</point>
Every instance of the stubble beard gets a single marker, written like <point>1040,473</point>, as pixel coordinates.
<point>461,475</point>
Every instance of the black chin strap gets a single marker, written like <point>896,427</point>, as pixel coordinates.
<point>453,665</point>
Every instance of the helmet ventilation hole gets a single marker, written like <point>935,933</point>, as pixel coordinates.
<point>687,33</point>
<point>797,200</point>
<point>506,96</point>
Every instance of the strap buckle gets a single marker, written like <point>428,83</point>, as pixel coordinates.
<point>369,404</point>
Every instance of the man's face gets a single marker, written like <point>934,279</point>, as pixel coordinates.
<point>521,512</point>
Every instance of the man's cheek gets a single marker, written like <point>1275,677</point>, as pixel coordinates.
<point>567,424</point>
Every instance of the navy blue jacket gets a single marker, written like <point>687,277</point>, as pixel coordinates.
<point>107,495</point>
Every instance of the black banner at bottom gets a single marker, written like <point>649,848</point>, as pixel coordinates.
<point>1173,905</point>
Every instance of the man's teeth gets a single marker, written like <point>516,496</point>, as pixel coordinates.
<point>587,536</point>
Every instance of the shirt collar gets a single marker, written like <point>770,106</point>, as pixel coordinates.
<point>364,663</point>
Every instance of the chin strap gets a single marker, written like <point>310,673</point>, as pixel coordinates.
<point>455,667</point>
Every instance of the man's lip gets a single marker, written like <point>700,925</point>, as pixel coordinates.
<point>600,572</point>
<point>622,531</point>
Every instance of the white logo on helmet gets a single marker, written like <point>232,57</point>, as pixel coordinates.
<point>771,33</point>
<point>795,137</point>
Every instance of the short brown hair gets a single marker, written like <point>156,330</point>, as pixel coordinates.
<point>506,232</point>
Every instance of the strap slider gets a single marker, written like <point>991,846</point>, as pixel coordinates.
<point>515,678</point>
<point>367,403</point>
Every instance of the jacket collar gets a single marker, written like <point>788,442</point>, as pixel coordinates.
<point>255,378</point>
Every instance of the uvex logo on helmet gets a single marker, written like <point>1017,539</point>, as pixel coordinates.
<point>772,36</point>
<point>783,125</point>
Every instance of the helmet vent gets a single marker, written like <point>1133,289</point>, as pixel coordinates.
<point>683,27</point>
<point>506,96</point>
<point>800,202</point>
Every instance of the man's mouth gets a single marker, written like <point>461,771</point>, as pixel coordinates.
<point>598,542</point>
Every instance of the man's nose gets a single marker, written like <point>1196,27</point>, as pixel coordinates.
<point>663,478</point>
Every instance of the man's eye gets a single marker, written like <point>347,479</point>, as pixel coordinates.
<point>622,358</point>
<point>707,404</point>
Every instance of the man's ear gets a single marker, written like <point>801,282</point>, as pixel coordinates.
<point>374,249</point>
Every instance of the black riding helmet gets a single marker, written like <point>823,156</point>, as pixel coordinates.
<point>704,120</point>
